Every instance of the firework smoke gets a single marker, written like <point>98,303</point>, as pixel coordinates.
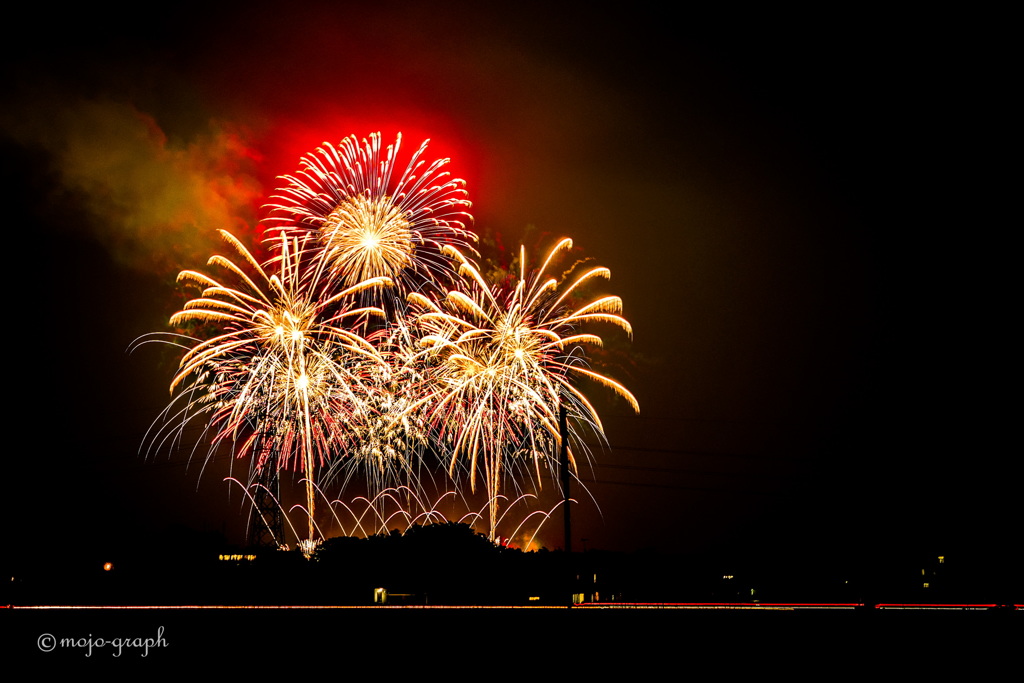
<point>153,203</point>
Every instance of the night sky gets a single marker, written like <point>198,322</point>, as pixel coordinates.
<point>799,213</point>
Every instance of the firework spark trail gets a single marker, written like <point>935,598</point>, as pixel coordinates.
<point>503,362</point>
<point>370,223</point>
<point>279,373</point>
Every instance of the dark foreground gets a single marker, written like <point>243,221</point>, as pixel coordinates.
<point>442,596</point>
<point>422,639</point>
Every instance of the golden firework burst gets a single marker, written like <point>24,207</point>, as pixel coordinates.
<point>503,362</point>
<point>369,219</point>
<point>277,371</point>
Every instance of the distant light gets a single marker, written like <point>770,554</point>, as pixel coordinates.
<point>107,566</point>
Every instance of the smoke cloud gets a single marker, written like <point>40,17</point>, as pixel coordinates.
<point>152,202</point>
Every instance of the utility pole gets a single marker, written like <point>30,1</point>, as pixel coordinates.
<point>563,432</point>
<point>266,528</point>
<point>570,570</point>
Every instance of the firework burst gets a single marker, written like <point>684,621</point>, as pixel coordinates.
<point>370,219</point>
<point>387,435</point>
<point>278,372</point>
<point>504,361</point>
<point>303,362</point>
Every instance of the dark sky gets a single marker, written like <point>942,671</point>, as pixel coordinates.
<point>796,210</point>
